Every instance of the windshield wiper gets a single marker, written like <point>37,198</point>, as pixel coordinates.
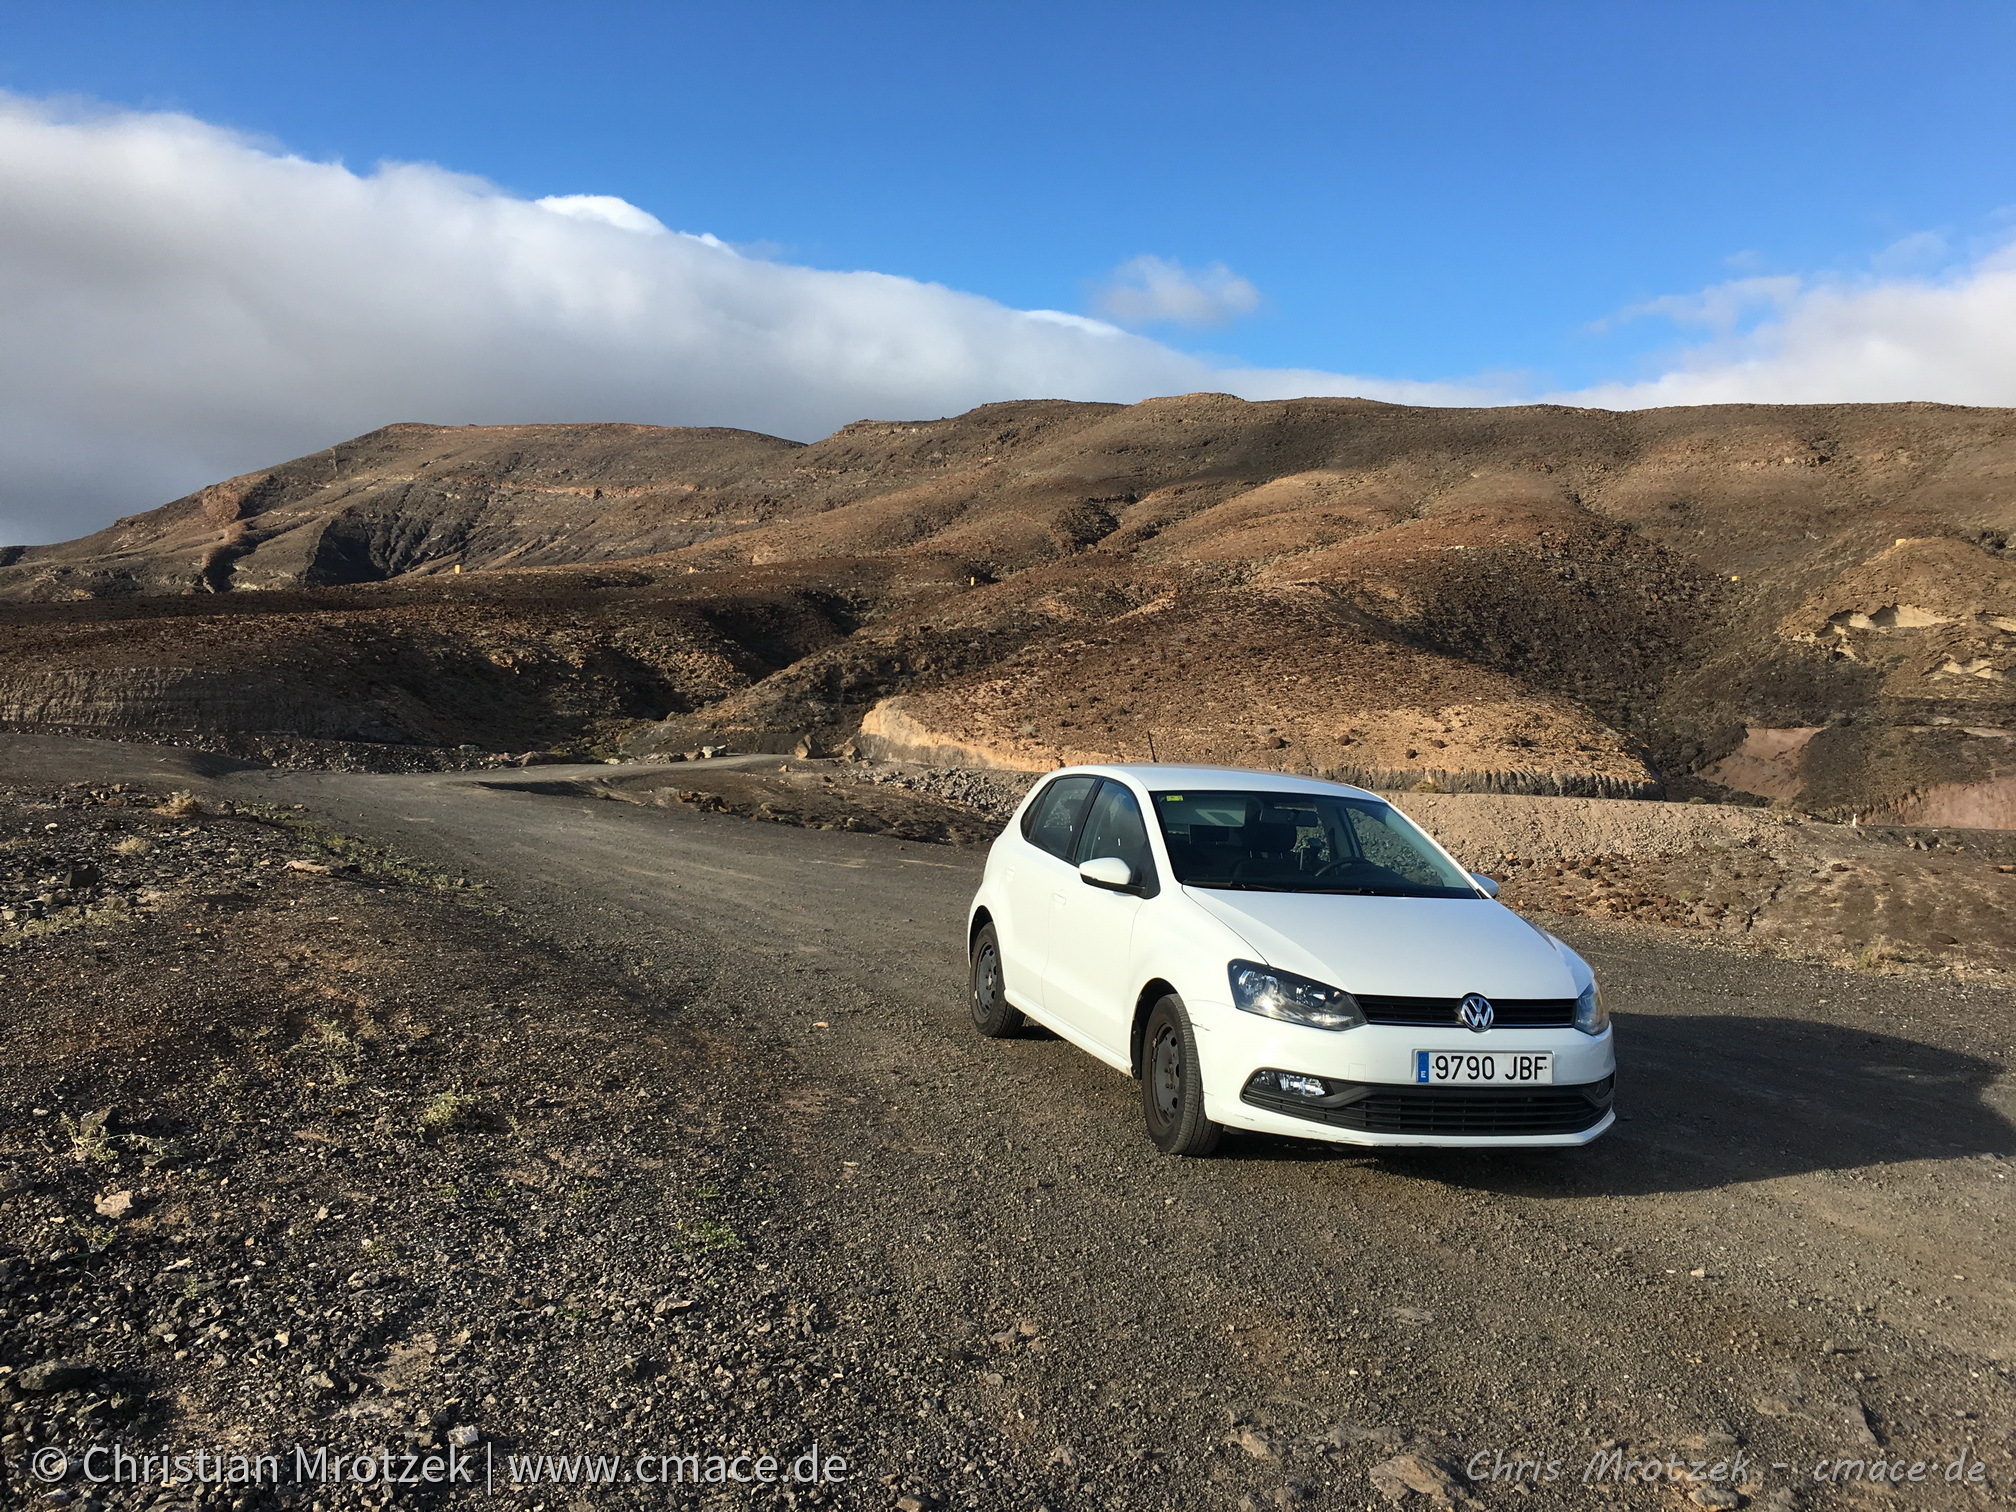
<point>1331,892</point>
<point>1395,892</point>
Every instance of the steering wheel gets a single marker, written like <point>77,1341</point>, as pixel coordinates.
<point>1354,864</point>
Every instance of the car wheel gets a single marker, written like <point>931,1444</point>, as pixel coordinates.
<point>993,1015</point>
<point>1172,1091</point>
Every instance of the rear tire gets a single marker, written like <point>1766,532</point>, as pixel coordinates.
<point>993,1015</point>
<point>1172,1090</point>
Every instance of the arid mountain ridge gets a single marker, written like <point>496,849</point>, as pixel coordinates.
<point>1814,604</point>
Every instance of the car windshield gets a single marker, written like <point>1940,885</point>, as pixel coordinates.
<point>1302,842</point>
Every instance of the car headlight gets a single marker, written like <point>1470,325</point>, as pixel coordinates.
<point>1591,1017</point>
<point>1292,999</point>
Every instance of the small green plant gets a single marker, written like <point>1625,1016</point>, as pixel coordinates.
<point>446,1112</point>
<point>376,1249</point>
<point>447,1191</point>
<point>97,1236</point>
<point>703,1235</point>
<point>158,1150</point>
<point>89,1138</point>
<point>332,1036</point>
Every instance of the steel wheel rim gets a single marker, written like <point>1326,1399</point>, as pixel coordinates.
<point>1166,1075</point>
<point>986,982</point>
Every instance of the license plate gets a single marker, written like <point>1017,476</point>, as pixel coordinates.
<point>1485,1068</point>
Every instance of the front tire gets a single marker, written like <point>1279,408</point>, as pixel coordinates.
<point>1172,1088</point>
<point>993,1015</point>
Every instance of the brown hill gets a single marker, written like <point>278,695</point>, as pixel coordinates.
<point>1813,603</point>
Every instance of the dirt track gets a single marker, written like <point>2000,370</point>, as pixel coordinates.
<point>1797,1244</point>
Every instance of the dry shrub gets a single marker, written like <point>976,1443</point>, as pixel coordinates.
<point>180,804</point>
<point>1881,956</point>
<point>446,1112</point>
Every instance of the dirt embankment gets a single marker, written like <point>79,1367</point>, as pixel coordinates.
<point>1872,898</point>
<point>825,795</point>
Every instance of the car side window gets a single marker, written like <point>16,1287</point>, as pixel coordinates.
<point>1051,822</point>
<point>1114,827</point>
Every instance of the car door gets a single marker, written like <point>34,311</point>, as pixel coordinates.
<point>1037,865</point>
<point>1088,981</point>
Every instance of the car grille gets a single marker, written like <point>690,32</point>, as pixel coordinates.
<point>1384,1109</point>
<point>1512,1013</point>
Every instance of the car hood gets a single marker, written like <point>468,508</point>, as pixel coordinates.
<point>1399,947</point>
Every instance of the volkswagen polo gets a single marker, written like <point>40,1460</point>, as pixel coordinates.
<point>1287,955</point>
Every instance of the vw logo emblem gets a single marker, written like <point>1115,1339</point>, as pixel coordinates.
<point>1476,1012</point>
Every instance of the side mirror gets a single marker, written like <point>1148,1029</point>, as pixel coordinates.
<point>1484,884</point>
<point>1109,872</point>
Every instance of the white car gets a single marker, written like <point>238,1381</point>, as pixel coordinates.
<point>1287,955</point>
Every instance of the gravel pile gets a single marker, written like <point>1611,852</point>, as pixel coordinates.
<point>990,793</point>
<point>809,794</point>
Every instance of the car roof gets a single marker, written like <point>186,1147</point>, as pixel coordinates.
<point>1156,776</point>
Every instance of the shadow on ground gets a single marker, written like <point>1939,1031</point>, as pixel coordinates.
<point>1707,1101</point>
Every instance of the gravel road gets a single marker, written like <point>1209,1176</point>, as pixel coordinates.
<point>1794,1250</point>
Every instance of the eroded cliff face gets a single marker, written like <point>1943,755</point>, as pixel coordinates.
<point>1530,599</point>
<point>415,499</point>
<point>506,662</point>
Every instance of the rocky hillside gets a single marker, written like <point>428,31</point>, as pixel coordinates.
<point>1813,604</point>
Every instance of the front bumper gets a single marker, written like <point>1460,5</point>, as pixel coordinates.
<point>1373,1098</point>
<point>1409,1113</point>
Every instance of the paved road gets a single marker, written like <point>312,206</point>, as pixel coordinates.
<point>1798,1239</point>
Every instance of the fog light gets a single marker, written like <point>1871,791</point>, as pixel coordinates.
<point>1301,1086</point>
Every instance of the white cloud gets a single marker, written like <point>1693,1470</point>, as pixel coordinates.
<point>1722,308</point>
<point>609,210</point>
<point>1149,290</point>
<point>1880,338</point>
<point>178,304</point>
<point>1920,252</point>
<point>1075,322</point>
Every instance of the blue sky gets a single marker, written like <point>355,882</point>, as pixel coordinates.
<point>210,258</point>
<point>1424,191</point>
